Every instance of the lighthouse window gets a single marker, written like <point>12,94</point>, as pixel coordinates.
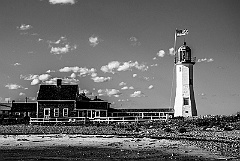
<point>180,69</point>
<point>185,101</point>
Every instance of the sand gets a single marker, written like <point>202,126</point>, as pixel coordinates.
<point>172,147</point>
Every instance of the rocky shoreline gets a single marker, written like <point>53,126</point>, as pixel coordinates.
<point>224,144</point>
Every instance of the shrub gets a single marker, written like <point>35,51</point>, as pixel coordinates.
<point>182,130</point>
<point>168,129</point>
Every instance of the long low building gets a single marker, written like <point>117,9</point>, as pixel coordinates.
<point>64,103</point>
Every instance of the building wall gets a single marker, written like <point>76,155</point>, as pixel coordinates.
<point>61,105</point>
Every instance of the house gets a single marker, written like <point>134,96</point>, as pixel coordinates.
<point>93,108</point>
<point>22,109</point>
<point>5,109</point>
<point>57,101</point>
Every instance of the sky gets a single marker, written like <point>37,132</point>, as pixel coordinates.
<point>121,50</point>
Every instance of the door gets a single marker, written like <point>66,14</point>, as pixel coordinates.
<point>46,113</point>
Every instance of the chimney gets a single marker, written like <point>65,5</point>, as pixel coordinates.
<point>59,82</point>
<point>26,99</point>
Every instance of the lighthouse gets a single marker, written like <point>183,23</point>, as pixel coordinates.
<point>184,105</point>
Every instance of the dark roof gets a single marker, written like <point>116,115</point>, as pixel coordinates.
<point>24,107</point>
<point>5,106</point>
<point>54,92</point>
<point>92,105</point>
<point>142,110</point>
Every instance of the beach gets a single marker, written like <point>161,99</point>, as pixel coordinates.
<point>97,147</point>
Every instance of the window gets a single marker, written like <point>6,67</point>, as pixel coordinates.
<point>186,111</point>
<point>185,101</point>
<point>56,112</point>
<point>97,114</point>
<point>180,69</point>
<point>65,112</point>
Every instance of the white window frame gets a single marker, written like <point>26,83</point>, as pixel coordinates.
<point>64,112</point>
<point>56,112</point>
<point>47,116</point>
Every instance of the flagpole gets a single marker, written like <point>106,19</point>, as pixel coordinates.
<point>174,48</point>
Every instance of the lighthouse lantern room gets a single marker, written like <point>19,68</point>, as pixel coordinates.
<point>184,105</point>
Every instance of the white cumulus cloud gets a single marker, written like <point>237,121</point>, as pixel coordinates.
<point>161,53</point>
<point>171,52</point>
<point>94,40</point>
<point>122,84</point>
<point>134,41</point>
<point>22,94</point>
<point>110,67</point>
<point>100,79</point>
<point>205,60</point>
<point>109,92</point>
<point>124,88</point>
<point>62,1</point>
<point>150,87</point>
<point>13,86</point>
<point>137,94</point>
<point>24,27</point>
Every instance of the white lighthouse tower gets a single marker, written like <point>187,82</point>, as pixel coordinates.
<point>184,100</point>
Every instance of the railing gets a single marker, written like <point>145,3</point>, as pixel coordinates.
<point>191,60</point>
<point>98,119</point>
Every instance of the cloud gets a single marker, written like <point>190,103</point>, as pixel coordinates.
<point>134,41</point>
<point>60,46</point>
<point>62,1</point>
<point>122,84</point>
<point>53,81</point>
<point>62,50</point>
<point>128,65</point>
<point>100,79</point>
<point>82,71</point>
<point>109,92</point>
<point>94,40</point>
<point>154,58</point>
<point>36,79</point>
<point>115,65</point>
<point>24,27</point>
<point>44,77</point>
<point>35,82</point>
<point>22,94</point>
<point>161,53</point>
<point>154,65</point>
<point>131,87</point>
<point>110,67</point>
<point>28,77</point>
<point>70,69</point>
<point>171,52</point>
<point>150,87</point>
<point>70,81</point>
<point>124,88</point>
<point>205,60</point>
<point>13,86</point>
<point>32,98</point>
<point>134,75</point>
<point>137,94</point>
<point>73,75</point>
<point>17,64</point>
<point>7,99</point>
<point>50,71</point>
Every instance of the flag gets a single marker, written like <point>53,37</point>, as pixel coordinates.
<point>181,32</point>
